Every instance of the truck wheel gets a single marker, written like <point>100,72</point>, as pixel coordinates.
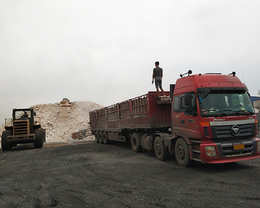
<point>100,137</point>
<point>159,149</point>
<point>39,138</point>
<point>5,145</point>
<point>136,142</point>
<point>105,139</point>
<point>182,154</point>
<point>96,137</point>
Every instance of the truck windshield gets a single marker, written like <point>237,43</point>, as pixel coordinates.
<point>225,103</point>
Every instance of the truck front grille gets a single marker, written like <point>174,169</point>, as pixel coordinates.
<point>219,132</point>
<point>21,127</point>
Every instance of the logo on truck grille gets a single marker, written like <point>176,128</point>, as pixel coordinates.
<point>235,130</point>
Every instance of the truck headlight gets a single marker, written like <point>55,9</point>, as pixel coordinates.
<point>211,152</point>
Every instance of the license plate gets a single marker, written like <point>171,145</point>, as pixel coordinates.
<point>238,146</point>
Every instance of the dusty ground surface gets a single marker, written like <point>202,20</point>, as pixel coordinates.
<point>97,175</point>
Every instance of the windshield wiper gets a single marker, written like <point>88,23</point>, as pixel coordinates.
<point>246,111</point>
<point>230,110</point>
<point>240,112</point>
<point>214,112</point>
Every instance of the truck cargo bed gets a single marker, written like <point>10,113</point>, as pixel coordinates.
<point>143,112</point>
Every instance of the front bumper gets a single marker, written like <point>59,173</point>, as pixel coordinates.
<point>226,151</point>
<point>21,138</point>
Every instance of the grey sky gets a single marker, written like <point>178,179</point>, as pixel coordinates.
<point>104,50</point>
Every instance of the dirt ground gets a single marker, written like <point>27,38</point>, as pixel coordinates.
<point>97,175</point>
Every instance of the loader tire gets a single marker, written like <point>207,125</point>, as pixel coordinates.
<point>39,138</point>
<point>4,144</point>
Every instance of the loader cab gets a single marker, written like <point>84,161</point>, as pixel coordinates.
<point>24,115</point>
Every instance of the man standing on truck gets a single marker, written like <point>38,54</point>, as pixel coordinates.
<point>157,77</point>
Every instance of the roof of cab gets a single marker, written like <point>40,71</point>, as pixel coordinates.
<point>193,82</point>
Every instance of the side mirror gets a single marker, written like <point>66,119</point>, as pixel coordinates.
<point>172,86</point>
<point>187,99</point>
<point>190,110</point>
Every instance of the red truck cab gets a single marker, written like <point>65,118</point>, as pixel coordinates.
<point>213,120</point>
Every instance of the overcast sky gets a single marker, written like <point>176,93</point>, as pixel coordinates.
<point>104,50</point>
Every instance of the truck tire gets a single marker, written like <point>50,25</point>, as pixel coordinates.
<point>39,138</point>
<point>159,149</point>
<point>136,142</point>
<point>182,154</point>
<point>4,144</point>
<point>96,137</point>
<point>105,139</point>
<point>100,137</point>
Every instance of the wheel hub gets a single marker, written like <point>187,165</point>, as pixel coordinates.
<point>158,148</point>
<point>181,152</point>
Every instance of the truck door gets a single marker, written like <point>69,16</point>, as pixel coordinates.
<point>188,120</point>
<point>176,111</point>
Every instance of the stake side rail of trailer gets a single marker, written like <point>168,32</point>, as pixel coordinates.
<point>142,112</point>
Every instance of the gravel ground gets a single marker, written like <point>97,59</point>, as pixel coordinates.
<point>94,175</point>
<point>97,175</point>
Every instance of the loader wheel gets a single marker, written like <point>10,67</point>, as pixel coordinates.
<point>100,137</point>
<point>136,142</point>
<point>182,154</point>
<point>5,145</point>
<point>159,149</point>
<point>39,138</point>
<point>96,137</point>
<point>104,137</point>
